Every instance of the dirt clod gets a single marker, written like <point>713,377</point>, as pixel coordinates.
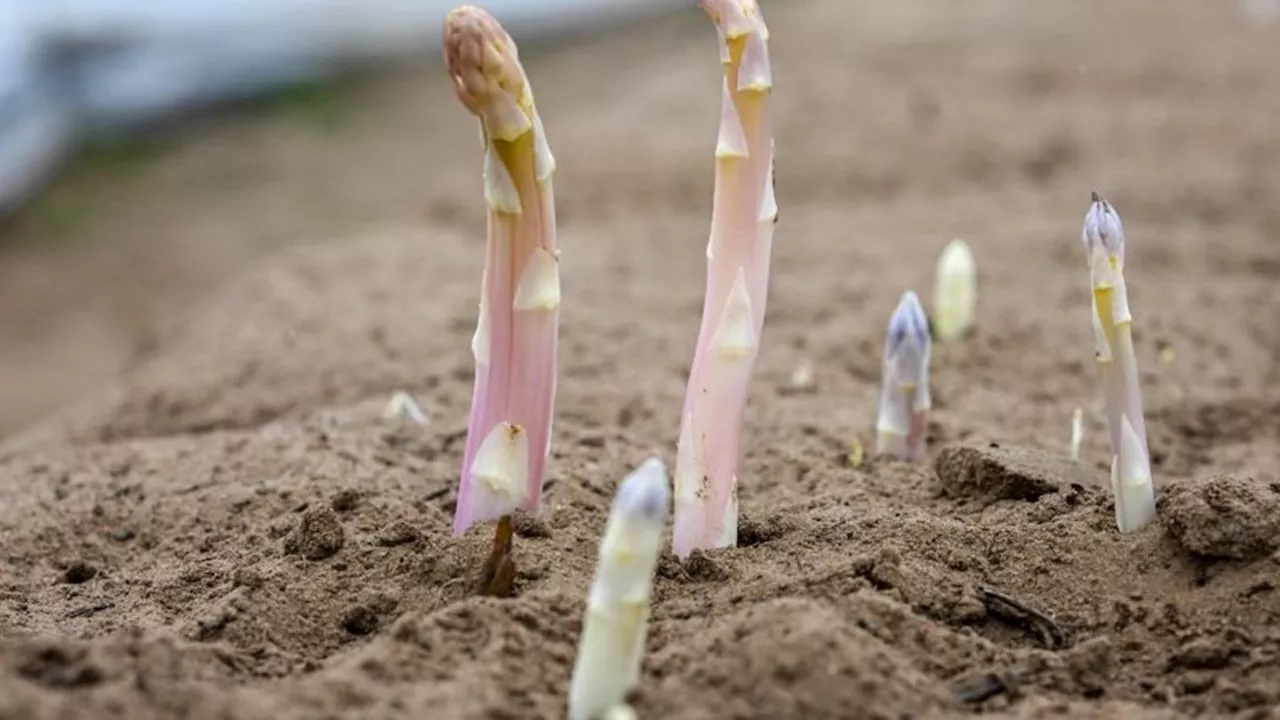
<point>1002,473</point>
<point>1223,516</point>
<point>360,620</point>
<point>346,500</point>
<point>398,532</point>
<point>319,535</point>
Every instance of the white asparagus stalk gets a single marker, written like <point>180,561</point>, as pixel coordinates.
<point>1077,433</point>
<point>904,389</point>
<point>616,621</point>
<point>955,292</point>
<point>1103,238</point>
<point>743,214</point>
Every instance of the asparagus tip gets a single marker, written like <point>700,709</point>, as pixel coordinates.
<point>483,62</point>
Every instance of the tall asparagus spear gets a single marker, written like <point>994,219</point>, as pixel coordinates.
<point>509,432</point>
<point>743,214</point>
<point>1103,238</point>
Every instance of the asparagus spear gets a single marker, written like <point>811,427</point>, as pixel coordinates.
<point>613,631</point>
<point>1103,238</point>
<point>743,214</point>
<point>955,294</point>
<point>904,390</point>
<point>1077,434</point>
<point>509,431</point>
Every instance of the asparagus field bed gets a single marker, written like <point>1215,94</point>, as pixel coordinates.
<point>235,529</point>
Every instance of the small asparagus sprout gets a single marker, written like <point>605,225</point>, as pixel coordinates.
<point>955,292</point>
<point>743,214</point>
<point>1077,433</point>
<point>613,631</point>
<point>1103,239</point>
<point>904,390</point>
<point>402,405</point>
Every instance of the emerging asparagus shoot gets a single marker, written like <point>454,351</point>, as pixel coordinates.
<point>613,631</point>
<point>743,214</point>
<point>1077,433</point>
<point>509,431</point>
<point>1103,238</point>
<point>904,389</point>
<point>955,292</point>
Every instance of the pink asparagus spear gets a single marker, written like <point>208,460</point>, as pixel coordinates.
<point>743,214</point>
<point>509,432</point>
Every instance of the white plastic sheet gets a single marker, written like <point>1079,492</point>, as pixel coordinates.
<point>67,66</point>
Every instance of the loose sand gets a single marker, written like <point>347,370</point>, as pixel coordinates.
<point>227,527</point>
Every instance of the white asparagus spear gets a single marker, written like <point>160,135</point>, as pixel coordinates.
<point>955,292</point>
<point>1103,238</point>
<point>616,621</point>
<point>1077,433</point>
<point>904,390</point>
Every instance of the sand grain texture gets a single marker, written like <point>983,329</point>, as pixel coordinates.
<point>233,529</point>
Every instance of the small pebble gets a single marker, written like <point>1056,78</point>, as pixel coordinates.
<point>346,500</point>
<point>360,620</point>
<point>319,535</point>
<point>398,532</point>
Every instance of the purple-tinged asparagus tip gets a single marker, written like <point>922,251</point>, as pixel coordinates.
<point>904,393</point>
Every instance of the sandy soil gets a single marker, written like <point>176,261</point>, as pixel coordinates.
<point>226,526</point>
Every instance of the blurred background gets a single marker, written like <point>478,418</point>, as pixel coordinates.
<point>148,150</point>
<point>151,150</point>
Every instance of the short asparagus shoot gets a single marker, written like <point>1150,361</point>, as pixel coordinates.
<point>904,389</point>
<point>743,214</point>
<point>515,341</point>
<point>955,292</point>
<point>1103,238</point>
<point>613,631</point>
<point>1077,433</point>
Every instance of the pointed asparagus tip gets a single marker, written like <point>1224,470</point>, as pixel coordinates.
<point>1102,228</point>
<point>957,254</point>
<point>484,64</point>
<point>908,322</point>
<point>645,494</point>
